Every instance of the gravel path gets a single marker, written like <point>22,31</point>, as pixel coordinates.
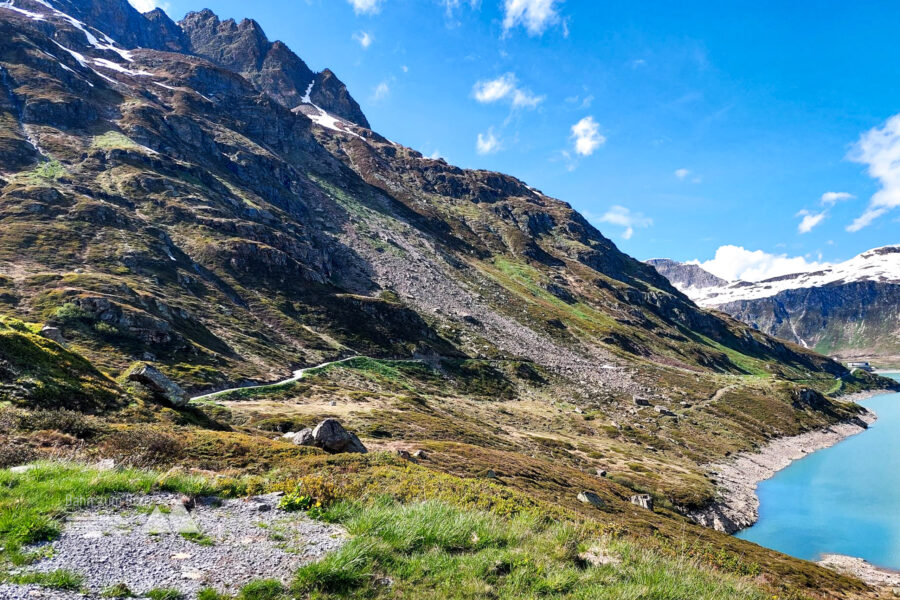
<point>141,542</point>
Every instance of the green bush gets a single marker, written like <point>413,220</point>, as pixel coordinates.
<point>69,313</point>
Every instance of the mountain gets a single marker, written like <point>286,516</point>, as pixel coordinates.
<point>686,276</point>
<point>193,196</point>
<point>849,310</point>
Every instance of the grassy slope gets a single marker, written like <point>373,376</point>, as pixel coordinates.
<point>40,373</point>
<point>462,546</point>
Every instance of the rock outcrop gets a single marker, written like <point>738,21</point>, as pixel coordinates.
<point>163,387</point>
<point>330,436</point>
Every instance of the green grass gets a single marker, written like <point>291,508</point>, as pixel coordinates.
<point>32,503</point>
<point>164,594</point>
<point>198,538</point>
<point>58,580</point>
<point>50,170</point>
<point>432,550</point>
<point>113,139</point>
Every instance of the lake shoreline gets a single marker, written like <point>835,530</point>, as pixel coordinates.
<point>737,477</point>
<point>861,569</point>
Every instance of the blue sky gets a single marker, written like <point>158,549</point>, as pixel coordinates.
<point>679,129</point>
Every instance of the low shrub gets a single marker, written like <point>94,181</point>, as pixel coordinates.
<point>13,454</point>
<point>143,446</point>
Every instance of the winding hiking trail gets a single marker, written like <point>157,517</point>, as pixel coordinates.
<point>297,376</point>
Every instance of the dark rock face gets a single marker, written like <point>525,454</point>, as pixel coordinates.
<point>851,320</point>
<point>120,21</point>
<point>271,66</point>
<point>685,276</point>
<point>331,94</point>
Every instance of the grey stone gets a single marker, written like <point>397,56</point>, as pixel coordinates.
<point>420,454</point>
<point>601,473</point>
<point>331,436</point>
<point>158,383</point>
<point>304,437</point>
<point>638,401</point>
<point>643,500</point>
<point>53,333</point>
<point>591,498</point>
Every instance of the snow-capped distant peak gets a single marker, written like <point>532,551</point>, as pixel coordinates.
<point>879,265</point>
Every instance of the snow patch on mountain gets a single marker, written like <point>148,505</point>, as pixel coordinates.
<point>879,265</point>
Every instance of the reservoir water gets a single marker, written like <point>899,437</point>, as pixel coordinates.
<point>841,500</point>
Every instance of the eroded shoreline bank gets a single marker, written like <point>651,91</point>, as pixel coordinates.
<point>737,477</point>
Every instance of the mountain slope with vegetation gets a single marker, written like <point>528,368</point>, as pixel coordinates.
<point>193,196</point>
<point>850,310</point>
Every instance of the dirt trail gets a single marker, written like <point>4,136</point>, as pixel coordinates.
<point>297,376</point>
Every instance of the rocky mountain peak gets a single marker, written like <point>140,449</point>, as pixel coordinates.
<point>120,21</point>
<point>685,276</point>
<point>271,67</point>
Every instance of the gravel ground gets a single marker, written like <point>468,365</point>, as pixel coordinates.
<point>140,541</point>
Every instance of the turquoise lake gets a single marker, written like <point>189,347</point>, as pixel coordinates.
<point>842,500</point>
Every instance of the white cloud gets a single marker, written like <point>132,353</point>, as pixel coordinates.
<point>525,99</point>
<point>364,38</point>
<point>682,173</point>
<point>623,217</point>
<point>809,220</point>
<point>365,7</point>
<point>879,148</point>
<point>535,15</point>
<point>737,263</point>
<point>505,87</point>
<point>381,91</point>
<point>404,68</point>
<point>492,90</point>
<point>832,198</point>
<point>586,134</point>
<point>487,143</point>
<point>144,6</point>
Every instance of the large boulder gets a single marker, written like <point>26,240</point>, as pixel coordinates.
<point>330,436</point>
<point>159,384</point>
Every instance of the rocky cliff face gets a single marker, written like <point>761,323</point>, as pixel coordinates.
<point>168,206</point>
<point>270,66</point>
<point>859,320</point>
<point>685,276</point>
<point>850,310</point>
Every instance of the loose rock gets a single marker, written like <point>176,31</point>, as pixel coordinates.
<point>643,500</point>
<point>591,498</point>
<point>158,383</point>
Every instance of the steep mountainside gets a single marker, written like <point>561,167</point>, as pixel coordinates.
<point>849,310</point>
<point>192,195</point>
<point>192,220</point>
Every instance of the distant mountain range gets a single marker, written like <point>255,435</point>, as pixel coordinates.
<point>850,310</point>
